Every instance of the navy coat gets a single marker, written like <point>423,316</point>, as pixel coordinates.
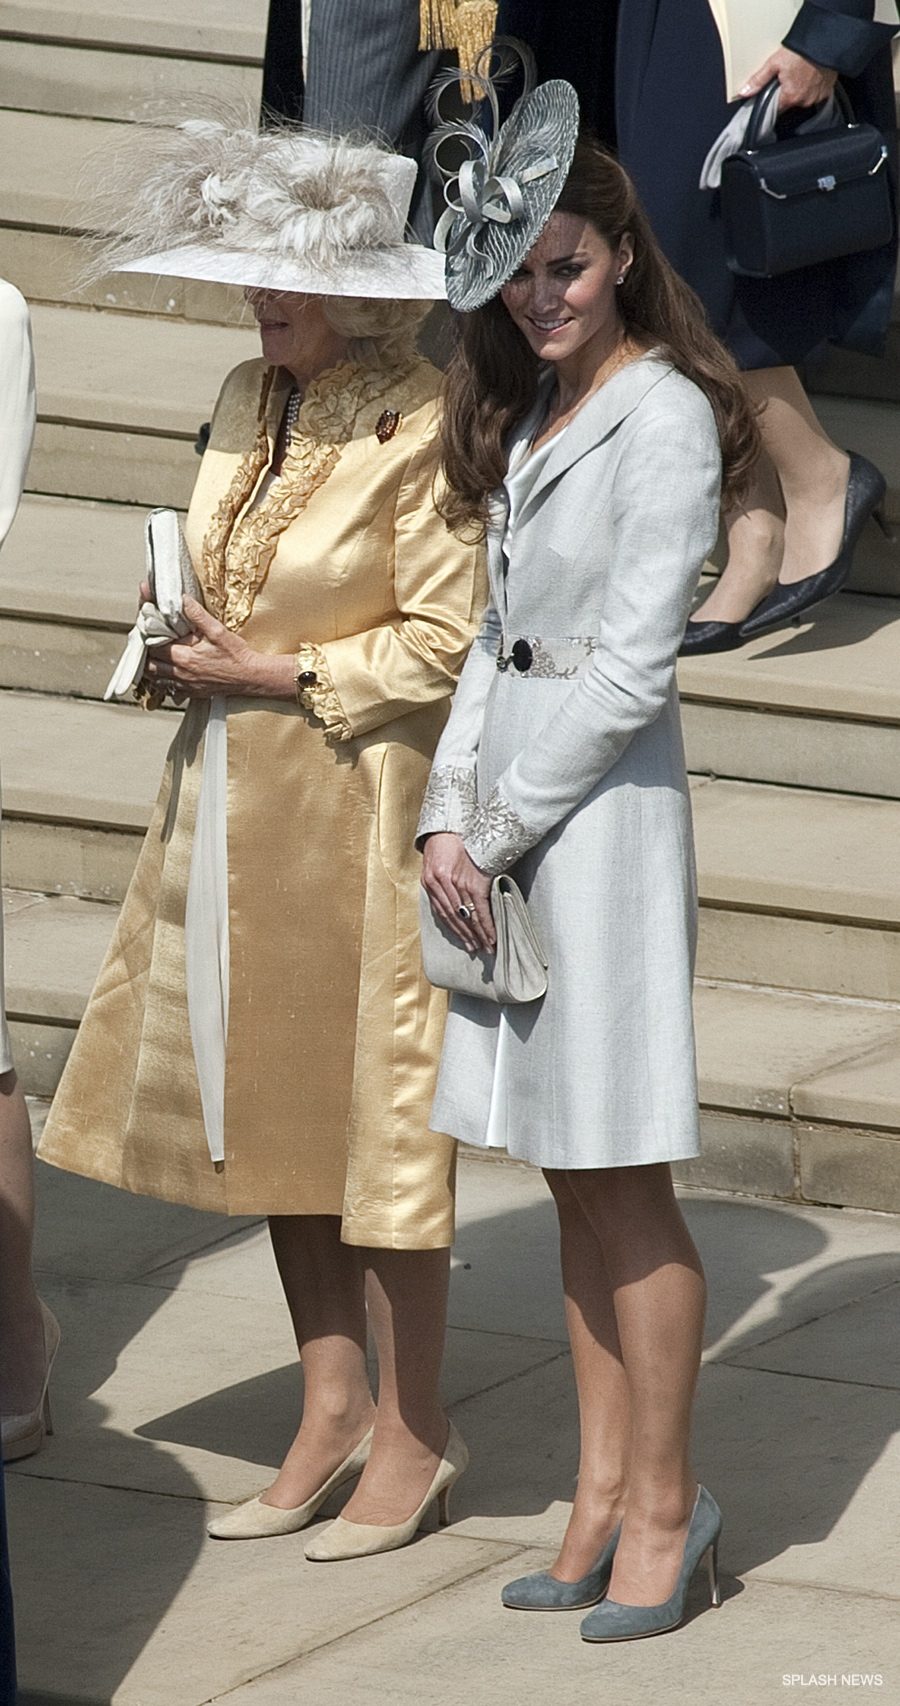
<point>669,107</point>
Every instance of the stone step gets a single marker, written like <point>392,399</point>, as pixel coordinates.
<point>850,373</point>
<point>44,265</point>
<point>816,705</point>
<point>798,889</point>
<point>69,575</point>
<point>119,407</point>
<point>71,562</point>
<point>118,467</point>
<point>876,563</point>
<point>800,1094</point>
<point>45,163</point>
<point>54,946</point>
<point>79,781</point>
<point>65,761</point>
<point>114,83</point>
<point>103,370</point>
<point>203,29</point>
<point>800,1097</point>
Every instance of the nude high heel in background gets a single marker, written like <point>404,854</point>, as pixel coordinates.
<point>24,1434</point>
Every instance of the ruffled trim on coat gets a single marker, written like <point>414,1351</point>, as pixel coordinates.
<point>321,696</point>
<point>238,553</point>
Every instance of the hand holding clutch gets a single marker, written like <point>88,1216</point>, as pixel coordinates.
<point>171,578</point>
<point>517,970</point>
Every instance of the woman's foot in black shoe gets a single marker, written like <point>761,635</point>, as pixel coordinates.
<point>710,637</point>
<point>864,494</point>
<point>755,543</point>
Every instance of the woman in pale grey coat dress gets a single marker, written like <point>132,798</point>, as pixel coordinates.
<point>589,418</point>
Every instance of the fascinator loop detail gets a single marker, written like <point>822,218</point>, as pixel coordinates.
<point>499,198</point>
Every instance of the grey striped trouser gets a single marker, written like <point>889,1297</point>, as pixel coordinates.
<point>364,72</point>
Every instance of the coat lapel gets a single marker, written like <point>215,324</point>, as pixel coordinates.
<point>600,415</point>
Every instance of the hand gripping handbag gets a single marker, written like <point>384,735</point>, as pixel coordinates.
<point>516,972</point>
<point>171,578</point>
<point>807,199</point>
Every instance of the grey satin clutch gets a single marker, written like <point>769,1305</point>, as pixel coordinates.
<point>516,972</point>
<point>171,578</point>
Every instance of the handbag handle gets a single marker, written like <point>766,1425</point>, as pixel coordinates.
<point>767,94</point>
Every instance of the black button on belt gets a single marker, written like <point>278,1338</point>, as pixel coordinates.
<point>522,656</point>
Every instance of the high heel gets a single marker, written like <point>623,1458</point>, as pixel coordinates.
<point>343,1539</point>
<point>866,487</point>
<point>255,1520</point>
<point>24,1434</point>
<point>610,1621</point>
<point>543,1592</point>
<point>710,637</point>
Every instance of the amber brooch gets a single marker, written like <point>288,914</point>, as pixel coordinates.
<point>388,422</point>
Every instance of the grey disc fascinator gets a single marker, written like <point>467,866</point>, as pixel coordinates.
<point>502,195</point>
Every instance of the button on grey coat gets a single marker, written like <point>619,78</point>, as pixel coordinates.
<point>578,786</point>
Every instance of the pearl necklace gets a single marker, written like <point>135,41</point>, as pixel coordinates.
<point>290,416</point>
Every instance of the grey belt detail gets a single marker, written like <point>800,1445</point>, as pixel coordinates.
<point>547,659</point>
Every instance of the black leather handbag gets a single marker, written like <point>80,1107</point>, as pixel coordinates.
<point>807,199</point>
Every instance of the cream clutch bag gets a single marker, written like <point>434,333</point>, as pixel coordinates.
<point>171,578</point>
<point>514,973</point>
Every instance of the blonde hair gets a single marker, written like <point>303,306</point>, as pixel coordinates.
<point>382,331</point>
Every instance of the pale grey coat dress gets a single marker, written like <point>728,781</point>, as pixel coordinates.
<point>571,776</point>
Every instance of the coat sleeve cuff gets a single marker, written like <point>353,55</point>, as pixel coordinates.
<point>318,693</point>
<point>450,800</point>
<point>832,38</point>
<point>496,836</point>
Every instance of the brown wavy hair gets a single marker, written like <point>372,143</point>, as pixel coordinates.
<point>492,378</point>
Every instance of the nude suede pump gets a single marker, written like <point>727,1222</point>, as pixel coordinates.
<point>255,1520</point>
<point>343,1539</point>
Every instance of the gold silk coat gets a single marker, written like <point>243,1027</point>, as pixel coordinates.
<point>333,1033</point>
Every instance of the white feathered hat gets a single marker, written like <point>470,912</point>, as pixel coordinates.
<point>280,209</point>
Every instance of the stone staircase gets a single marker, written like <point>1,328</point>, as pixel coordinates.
<point>792,742</point>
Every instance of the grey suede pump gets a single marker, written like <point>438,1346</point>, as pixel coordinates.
<point>543,1592</point>
<point>611,1621</point>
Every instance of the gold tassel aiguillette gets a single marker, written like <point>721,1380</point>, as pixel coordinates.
<point>466,25</point>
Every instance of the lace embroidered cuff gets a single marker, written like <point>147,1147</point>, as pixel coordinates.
<point>316,692</point>
<point>450,801</point>
<point>496,836</point>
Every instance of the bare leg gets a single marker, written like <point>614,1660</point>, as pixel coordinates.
<point>603,1399</point>
<point>659,1296</point>
<point>324,1285</point>
<point>407,1297</point>
<point>803,480</point>
<point>21,1327</point>
<point>813,472</point>
<point>755,550</point>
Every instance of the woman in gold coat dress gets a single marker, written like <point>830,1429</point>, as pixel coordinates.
<point>261,1038</point>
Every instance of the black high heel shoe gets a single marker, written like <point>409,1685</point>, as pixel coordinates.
<point>710,637</point>
<point>865,492</point>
